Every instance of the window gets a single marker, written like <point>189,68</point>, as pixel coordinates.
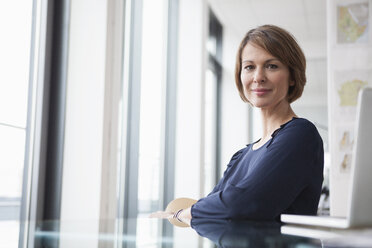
<point>151,133</point>
<point>148,119</point>
<point>15,23</point>
<point>212,101</point>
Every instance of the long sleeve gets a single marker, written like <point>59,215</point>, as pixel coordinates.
<point>235,158</point>
<point>287,177</point>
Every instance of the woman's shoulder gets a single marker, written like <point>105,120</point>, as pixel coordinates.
<point>237,155</point>
<point>299,125</point>
<point>299,129</point>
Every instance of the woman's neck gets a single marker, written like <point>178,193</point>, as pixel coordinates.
<point>274,117</point>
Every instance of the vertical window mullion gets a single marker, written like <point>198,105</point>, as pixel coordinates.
<point>212,149</point>
<point>170,111</point>
<point>132,144</point>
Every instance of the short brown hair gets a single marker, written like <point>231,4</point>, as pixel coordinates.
<point>282,45</point>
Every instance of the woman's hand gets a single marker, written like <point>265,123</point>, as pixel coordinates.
<point>184,216</point>
<point>178,212</point>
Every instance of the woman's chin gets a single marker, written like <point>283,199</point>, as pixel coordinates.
<point>259,104</point>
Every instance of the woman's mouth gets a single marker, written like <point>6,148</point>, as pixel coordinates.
<point>261,92</point>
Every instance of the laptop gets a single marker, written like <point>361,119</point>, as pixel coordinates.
<point>359,209</point>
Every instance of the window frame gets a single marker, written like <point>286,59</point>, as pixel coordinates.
<point>215,65</point>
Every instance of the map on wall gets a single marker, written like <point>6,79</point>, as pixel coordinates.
<point>347,86</point>
<point>348,92</point>
<point>352,23</point>
<point>345,143</point>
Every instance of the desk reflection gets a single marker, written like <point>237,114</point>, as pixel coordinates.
<point>149,232</point>
<point>228,233</point>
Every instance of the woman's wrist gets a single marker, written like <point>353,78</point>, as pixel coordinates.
<point>177,215</point>
<point>185,214</point>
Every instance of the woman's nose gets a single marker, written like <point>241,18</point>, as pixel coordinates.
<point>259,76</point>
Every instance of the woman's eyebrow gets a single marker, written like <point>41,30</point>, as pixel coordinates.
<point>266,61</point>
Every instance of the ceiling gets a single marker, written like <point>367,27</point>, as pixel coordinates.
<point>305,19</point>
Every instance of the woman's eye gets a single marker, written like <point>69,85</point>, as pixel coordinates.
<point>272,66</point>
<point>249,67</point>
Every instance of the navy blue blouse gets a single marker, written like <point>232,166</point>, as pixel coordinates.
<point>284,175</point>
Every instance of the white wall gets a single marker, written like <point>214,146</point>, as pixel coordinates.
<point>348,60</point>
<point>84,120</point>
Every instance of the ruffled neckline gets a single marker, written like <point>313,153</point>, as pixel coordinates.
<point>276,131</point>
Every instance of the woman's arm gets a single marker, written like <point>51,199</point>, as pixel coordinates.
<point>281,175</point>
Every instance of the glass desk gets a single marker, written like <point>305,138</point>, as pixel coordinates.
<point>153,233</point>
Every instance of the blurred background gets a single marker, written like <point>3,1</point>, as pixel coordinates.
<point>109,109</point>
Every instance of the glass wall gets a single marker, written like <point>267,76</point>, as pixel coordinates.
<point>15,26</point>
<point>146,117</point>
<point>210,130</point>
<point>152,115</point>
<point>151,106</point>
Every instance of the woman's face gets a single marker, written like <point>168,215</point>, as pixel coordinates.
<point>265,79</point>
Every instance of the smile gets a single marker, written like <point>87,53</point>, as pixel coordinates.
<point>261,92</point>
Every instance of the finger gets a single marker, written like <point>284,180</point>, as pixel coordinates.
<point>155,214</point>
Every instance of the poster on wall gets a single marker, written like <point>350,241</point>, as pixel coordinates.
<point>344,147</point>
<point>353,22</point>
<point>350,69</point>
<point>347,85</point>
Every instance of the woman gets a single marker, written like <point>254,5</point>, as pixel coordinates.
<point>283,171</point>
